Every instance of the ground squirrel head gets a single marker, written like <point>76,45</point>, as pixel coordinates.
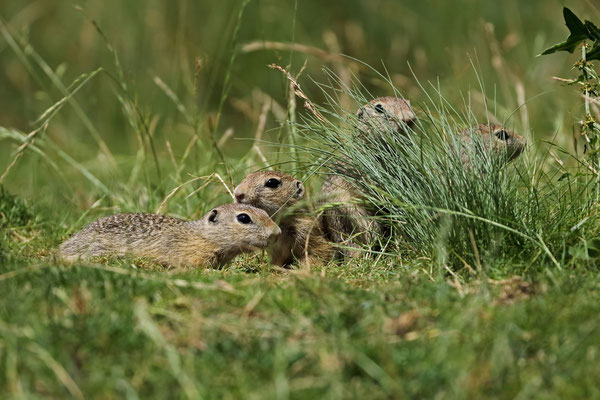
<point>245,227</point>
<point>384,113</point>
<point>502,140</point>
<point>269,190</point>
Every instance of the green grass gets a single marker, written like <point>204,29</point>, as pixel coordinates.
<point>489,289</point>
<point>342,332</point>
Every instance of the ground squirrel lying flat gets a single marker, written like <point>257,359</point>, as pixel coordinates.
<point>350,222</point>
<point>302,237</point>
<point>213,240</point>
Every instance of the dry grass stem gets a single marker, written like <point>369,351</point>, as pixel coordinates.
<point>298,91</point>
<point>29,140</point>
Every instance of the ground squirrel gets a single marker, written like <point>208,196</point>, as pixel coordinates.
<point>384,113</point>
<point>213,240</point>
<point>350,222</point>
<point>302,238</point>
<point>504,142</point>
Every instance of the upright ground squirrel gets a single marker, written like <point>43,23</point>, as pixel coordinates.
<point>213,240</point>
<point>350,222</point>
<point>302,237</point>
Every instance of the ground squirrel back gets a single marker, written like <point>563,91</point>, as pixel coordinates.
<point>213,240</point>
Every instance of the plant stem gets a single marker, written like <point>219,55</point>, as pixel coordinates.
<point>594,157</point>
<point>587,99</point>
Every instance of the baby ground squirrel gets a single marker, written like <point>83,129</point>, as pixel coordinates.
<point>350,222</point>
<point>213,240</point>
<point>302,238</point>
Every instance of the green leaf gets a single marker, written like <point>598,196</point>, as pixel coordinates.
<point>570,45</point>
<point>579,251</point>
<point>576,27</point>
<point>592,30</point>
<point>577,30</point>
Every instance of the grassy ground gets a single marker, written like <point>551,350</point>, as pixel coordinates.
<point>138,116</point>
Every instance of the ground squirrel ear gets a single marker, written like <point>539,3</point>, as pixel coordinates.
<point>300,190</point>
<point>213,216</point>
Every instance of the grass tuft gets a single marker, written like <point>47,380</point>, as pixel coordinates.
<point>451,199</point>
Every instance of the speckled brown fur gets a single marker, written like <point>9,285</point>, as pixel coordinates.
<point>504,142</point>
<point>385,113</point>
<point>213,240</point>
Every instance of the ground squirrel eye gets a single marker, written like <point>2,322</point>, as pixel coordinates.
<point>502,135</point>
<point>273,183</point>
<point>379,108</point>
<point>244,218</point>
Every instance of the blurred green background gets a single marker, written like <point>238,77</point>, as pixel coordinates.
<point>187,46</point>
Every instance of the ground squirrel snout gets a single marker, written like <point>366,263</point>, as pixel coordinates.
<point>220,235</point>
<point>303,238</point>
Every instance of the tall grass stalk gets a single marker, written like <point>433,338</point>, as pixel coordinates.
<point>26,54</point>
<point>127,97</point>
<point>226,82</point>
